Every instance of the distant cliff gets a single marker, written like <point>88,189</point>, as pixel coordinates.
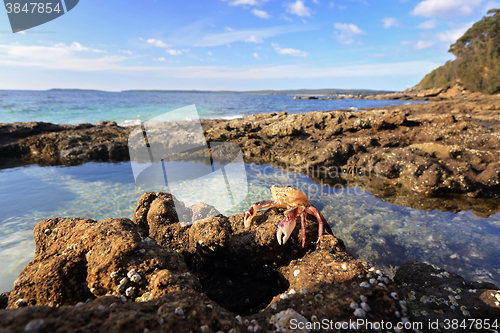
<point>477,66</point>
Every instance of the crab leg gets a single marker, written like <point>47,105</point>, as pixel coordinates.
<point>312,210</point>
<point>250,213</point>
<point>303,227</point>
<point>286,226</point>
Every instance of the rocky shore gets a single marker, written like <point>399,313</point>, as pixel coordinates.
<point>169,272</point>
<point>407,154</point>
<point>455,91</point>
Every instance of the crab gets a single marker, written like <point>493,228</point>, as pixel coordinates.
<point>296,203</point>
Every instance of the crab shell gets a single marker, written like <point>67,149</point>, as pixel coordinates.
<point>296,203</point>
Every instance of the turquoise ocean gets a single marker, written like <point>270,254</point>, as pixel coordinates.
<point>383,234</point>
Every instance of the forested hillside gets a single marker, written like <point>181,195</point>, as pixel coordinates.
<point>477,63</point>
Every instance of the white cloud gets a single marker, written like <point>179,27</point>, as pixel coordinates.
<point>246,2</point>
<point>260,13</point>
<point>331,4</point>
<point>286,18</point>
<point>160,59</point>
<point>157,42</point>
<point>78,47</point>
<point>405,42</point>
<point>346,32</point>
<point>288,51</point>
<point>428,25</point>
<point>256,56</point>
<point>316,2</point>
<point>253,39</point>
<point>451,36</point>
<point>298,8</point>
<point>173,52</point>
<point>422,45</point>
<point>228,37</point>
<point>390,22</point>
<point>52,57</point>
<point>210,53</point>
<point>74,57</point>
<point>126,52</point>
<point>446,8</point>
<point>228,29</point>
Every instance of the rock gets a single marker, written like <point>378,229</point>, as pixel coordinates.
<point>4,299</point>
<point>432,293</point>
<point>50,144</point>
<point>202,211</point>
<point>82,276</point>
<point>80,259</point>
<point>429,92</point>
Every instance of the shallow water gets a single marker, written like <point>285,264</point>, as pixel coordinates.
<point>383,234</point>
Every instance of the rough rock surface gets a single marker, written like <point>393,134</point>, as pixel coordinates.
<point>162,273</point>
<point>455,91</point>
<point>433,294</point>
<point>51,144</point>
<point>208,276</point>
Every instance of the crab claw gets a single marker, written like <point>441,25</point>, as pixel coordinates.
<point>285,229</point>
<point>286,226</point>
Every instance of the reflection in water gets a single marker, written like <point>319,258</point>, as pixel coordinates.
<point>383,234</point>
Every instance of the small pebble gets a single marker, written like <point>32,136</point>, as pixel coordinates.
<point>318,298</point>
<point>365,306</point>
<point>296,272</point>
<point>130,291</point>
<point>20,303</point>
<point>113,275</point>
<point>33,325</point>
<point>178,311</point>
<point>363,298</point>
<point>204,329</point>
<point>360,313</point>
<point>364,284</point>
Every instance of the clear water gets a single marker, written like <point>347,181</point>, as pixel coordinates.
<point>383,234</point>
<point>129,108</point>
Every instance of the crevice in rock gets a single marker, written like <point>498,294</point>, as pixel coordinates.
<point>235,282</point>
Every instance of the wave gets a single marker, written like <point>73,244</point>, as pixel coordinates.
<point>130,122</point>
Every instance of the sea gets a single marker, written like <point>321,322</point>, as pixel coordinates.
<point>383,234</point>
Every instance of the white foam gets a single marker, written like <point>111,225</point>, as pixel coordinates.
<point>231,117</point>
<point>130,122</point>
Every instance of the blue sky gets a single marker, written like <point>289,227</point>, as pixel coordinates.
<point>237,44</point>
